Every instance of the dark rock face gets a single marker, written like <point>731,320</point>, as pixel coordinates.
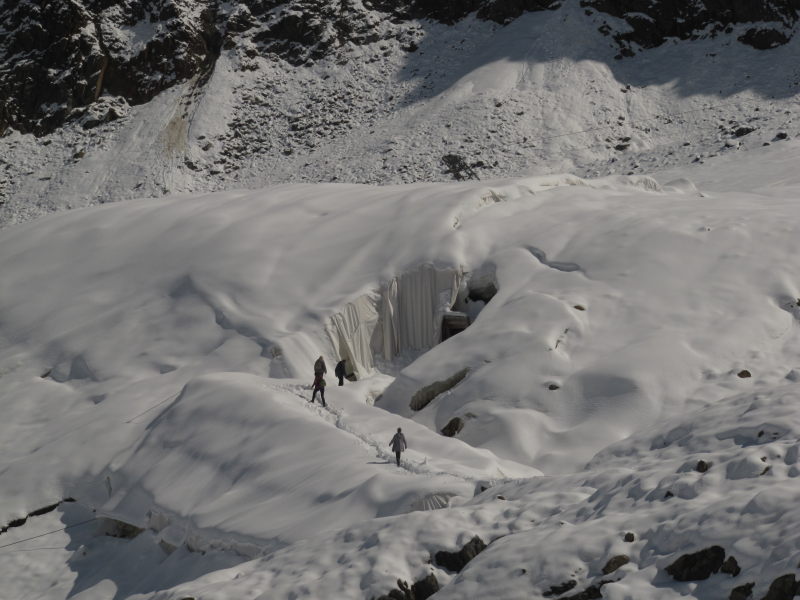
<point>453,426</point>
<point>702,466</point>
<point>742,592</point>
<point>731,567</point>
<point>425,396</point>
<point>60,56</point>
<point>425,588</point>
<point>450,11</point>
<point>697,566</point>
<point>590,593</point>
<point>652,23</point>
<point>784,587</point>
<point>615,563</point>
<point>455,561</point>
<point>421,590</point>
<point>559,589</point>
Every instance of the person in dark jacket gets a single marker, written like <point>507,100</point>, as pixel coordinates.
<point>319,367</point>
<point>398,444</point>
<point>339,371</point>
<point>318,386</point>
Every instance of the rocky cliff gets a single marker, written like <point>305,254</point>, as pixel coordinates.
<point>91,59</point>
<point>648,24</point>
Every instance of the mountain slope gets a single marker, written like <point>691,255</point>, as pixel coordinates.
<point>239,102</point>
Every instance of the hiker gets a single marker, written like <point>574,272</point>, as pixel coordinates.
<point>318,386</point>
<point>339,371</point>
<point>398,444</point>
<point>319,367</point>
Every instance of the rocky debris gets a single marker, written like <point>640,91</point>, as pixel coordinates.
<point>458,167</point>
<point>698,565</point>
<point>561,588</point>
<point>781,135</point>
<point>731,567</point>
<point>420,590</point>
<point>615,563</point>
<point>500,11</point>
<point>455,561</point>
<point>744,374</point>
<point>453,427</point>
<point>651,24</point>
<point>784,587</point>
<point>629,537</point>
<point>590,593</point>
<point>742,592</point>
<point>742,131</point>
<point>425,588</point>
<point>703,466</point>
<point>425,395</point>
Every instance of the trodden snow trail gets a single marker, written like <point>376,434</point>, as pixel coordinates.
<point>337,418</point>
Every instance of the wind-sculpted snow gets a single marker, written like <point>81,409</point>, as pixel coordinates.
<point>155,358</point>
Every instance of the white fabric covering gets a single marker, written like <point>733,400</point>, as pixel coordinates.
<point>406,315</point>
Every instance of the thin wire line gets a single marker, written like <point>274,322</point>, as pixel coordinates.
<point>49,532</point>
<point>172,397</point>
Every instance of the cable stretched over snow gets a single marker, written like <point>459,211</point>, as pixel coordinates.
<point>49,533</point>
<point>172,397</point>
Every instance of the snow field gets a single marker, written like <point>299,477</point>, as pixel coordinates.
<point>159,377</point>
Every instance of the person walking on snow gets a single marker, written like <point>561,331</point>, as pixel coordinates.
<point>319,367</point>
<point>318,386</point>
<point>398,444</point>
<point>339,371</point>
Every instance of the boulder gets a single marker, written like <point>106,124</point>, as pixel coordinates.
<point>698,565</point>
<point>453,427</point>
<point>731,567</point>
<point>561,588</point>
<point>784,587</point>
<point>742,592</point>
<point>615,563</point>
<point>455,561</point>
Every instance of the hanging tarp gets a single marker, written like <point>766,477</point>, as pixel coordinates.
<point>405,316</point>
<point>351,332</point>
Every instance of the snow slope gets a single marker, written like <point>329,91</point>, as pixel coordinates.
<point>155,359</point>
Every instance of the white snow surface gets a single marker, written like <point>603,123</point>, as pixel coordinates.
<point>155,361</point>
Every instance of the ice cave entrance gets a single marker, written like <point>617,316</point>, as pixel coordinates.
<point>413,312</point>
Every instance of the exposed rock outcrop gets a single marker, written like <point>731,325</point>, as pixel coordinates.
<point>420,590</point>
<point>425,395</point>
<point>765,24</point>
<point>454,425</point>
<point>455,561</point>
<point>698,565</point>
